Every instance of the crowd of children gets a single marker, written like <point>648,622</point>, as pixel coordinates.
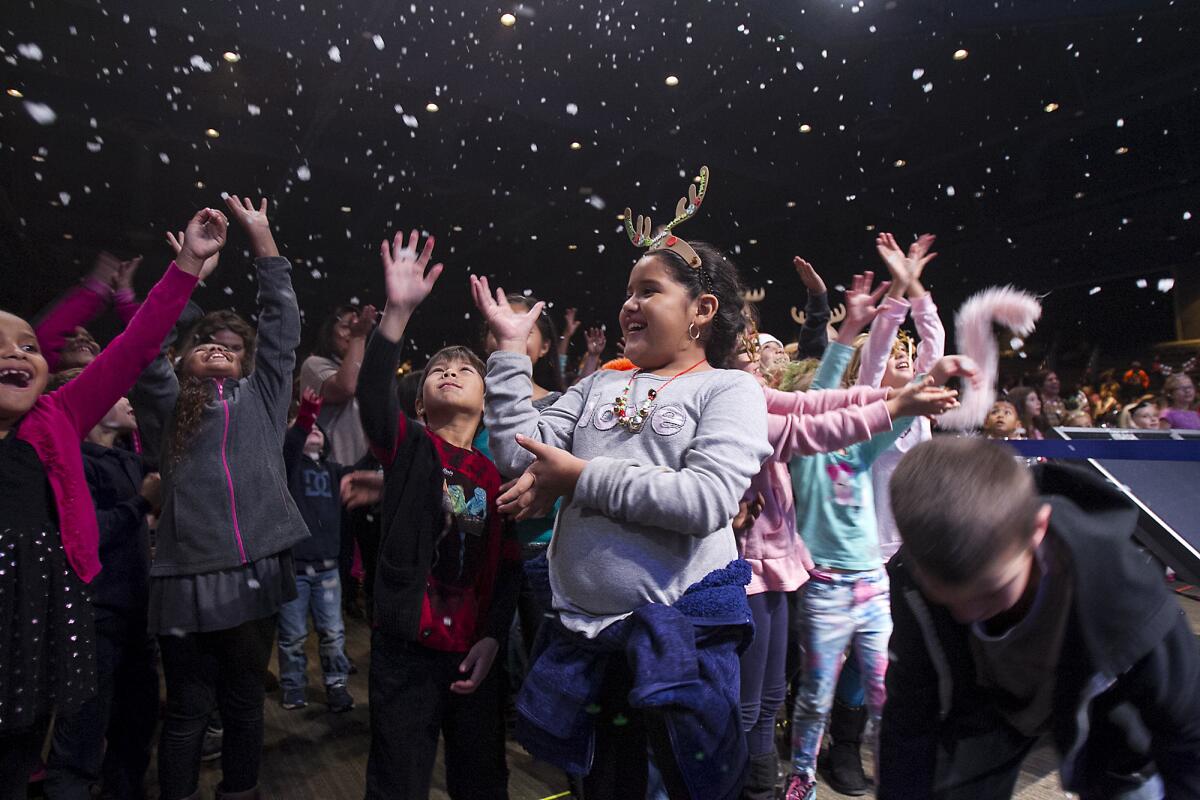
<point>681,535</point>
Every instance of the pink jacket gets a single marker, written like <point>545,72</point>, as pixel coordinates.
<point>800,423</point>
<point>79,306</point>
<point>59,420</point>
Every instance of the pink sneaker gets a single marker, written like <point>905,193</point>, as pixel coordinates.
<point>800,787</point>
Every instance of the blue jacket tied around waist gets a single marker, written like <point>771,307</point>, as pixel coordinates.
<point>684,662</point>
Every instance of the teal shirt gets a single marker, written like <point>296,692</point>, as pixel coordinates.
<point>835,501</point>
<point>529,531</point>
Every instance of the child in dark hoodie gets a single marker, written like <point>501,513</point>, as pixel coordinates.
<point>314,482</point>
<point>1021,608</point>
<point>124,711</point>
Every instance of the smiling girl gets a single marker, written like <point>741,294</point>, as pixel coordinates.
<point>50,537</point>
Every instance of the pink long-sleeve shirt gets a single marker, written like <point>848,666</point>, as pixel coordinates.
<point>800,423</point>
<point>59,420</point>
<point>79,306</point>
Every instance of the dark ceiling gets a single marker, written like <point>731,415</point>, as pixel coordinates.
<point>325,113</point>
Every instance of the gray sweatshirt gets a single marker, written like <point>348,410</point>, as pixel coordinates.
<point>652,510</point>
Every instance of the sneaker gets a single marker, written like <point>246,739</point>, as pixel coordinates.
<point>800,787</point>
<point>293,699</point>
<point>214,735</point>
<point>338,698</point>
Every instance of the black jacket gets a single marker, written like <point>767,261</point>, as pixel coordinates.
<point>1128,685</point>
<point>413,511</point>
<point>114,477</point>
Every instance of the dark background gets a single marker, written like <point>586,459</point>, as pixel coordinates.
<point>1017,194</point>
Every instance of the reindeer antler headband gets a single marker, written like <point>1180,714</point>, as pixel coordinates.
<point>641,232</point>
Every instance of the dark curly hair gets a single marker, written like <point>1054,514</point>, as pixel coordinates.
<point>223,320</point>
<point>717,276</point>
<point>546,372</point>
<point>194,393</point>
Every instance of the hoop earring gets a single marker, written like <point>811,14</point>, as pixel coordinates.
<point>693,336</point>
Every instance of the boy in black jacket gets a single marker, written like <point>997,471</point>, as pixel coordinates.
<point>447,577</point>
<point>314,482</point>
<point>125,709</point>
<point>1021,608</point>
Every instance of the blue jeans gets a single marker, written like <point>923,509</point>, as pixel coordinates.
<point>838,610</point>
<point>321,593</point>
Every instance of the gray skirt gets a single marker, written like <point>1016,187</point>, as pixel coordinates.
<point>216,601</point>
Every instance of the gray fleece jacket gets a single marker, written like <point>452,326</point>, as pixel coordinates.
<point>652,510</point>
<point>226,500</point>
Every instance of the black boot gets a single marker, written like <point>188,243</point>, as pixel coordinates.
<point>844,768</point>
<point>760,780</point>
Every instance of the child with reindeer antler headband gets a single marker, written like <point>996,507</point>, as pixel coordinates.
<point>643,572</point>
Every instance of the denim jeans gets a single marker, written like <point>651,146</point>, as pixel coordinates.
<point>319,592</point>
<point>838,610</point>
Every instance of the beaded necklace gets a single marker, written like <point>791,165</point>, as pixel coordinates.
<point>634,422</point>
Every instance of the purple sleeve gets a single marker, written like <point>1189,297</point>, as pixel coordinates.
<point>126,304</point>
<point>88,398</point>
<point>79,306</point>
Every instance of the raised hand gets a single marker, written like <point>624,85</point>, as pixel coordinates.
<point>596,341</point>
<point>361,323</point>
<point>918,257</point>
<point>206,234</point>
<point>862,306</point>
<point>255,223</point>
<point>808,276</point>
<point>105,269</point>
<point>406,273</point>
<point>922,399</point>
<point>125,272</point>
<point>570,324</point>
<point>176,241</point>
<point>896,262</point>
<point>510,328</point>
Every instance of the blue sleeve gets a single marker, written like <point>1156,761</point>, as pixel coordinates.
<point>833,366</point>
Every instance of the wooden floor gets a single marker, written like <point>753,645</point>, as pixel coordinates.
<point>311,754</point>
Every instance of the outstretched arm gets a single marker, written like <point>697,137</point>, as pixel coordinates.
<point>80,305</point>
<point>278,311</point>
<point>89,397</point>
<point>409,280</point>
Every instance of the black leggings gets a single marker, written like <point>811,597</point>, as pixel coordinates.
<point>20,753</point>
<point>221,669</point>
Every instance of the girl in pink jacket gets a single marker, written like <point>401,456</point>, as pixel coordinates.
<point>49,539</point>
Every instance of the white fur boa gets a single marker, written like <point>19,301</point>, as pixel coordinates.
<point>1007,306</point>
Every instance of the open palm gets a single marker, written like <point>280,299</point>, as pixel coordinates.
<point>404,270</point>
<point>508,326</point>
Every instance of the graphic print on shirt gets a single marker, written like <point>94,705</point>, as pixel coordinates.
<point>668,420</point>
<point>460,553</point>
<point>317,483</point>
<point>845,489</point>
<point>606,417</point>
